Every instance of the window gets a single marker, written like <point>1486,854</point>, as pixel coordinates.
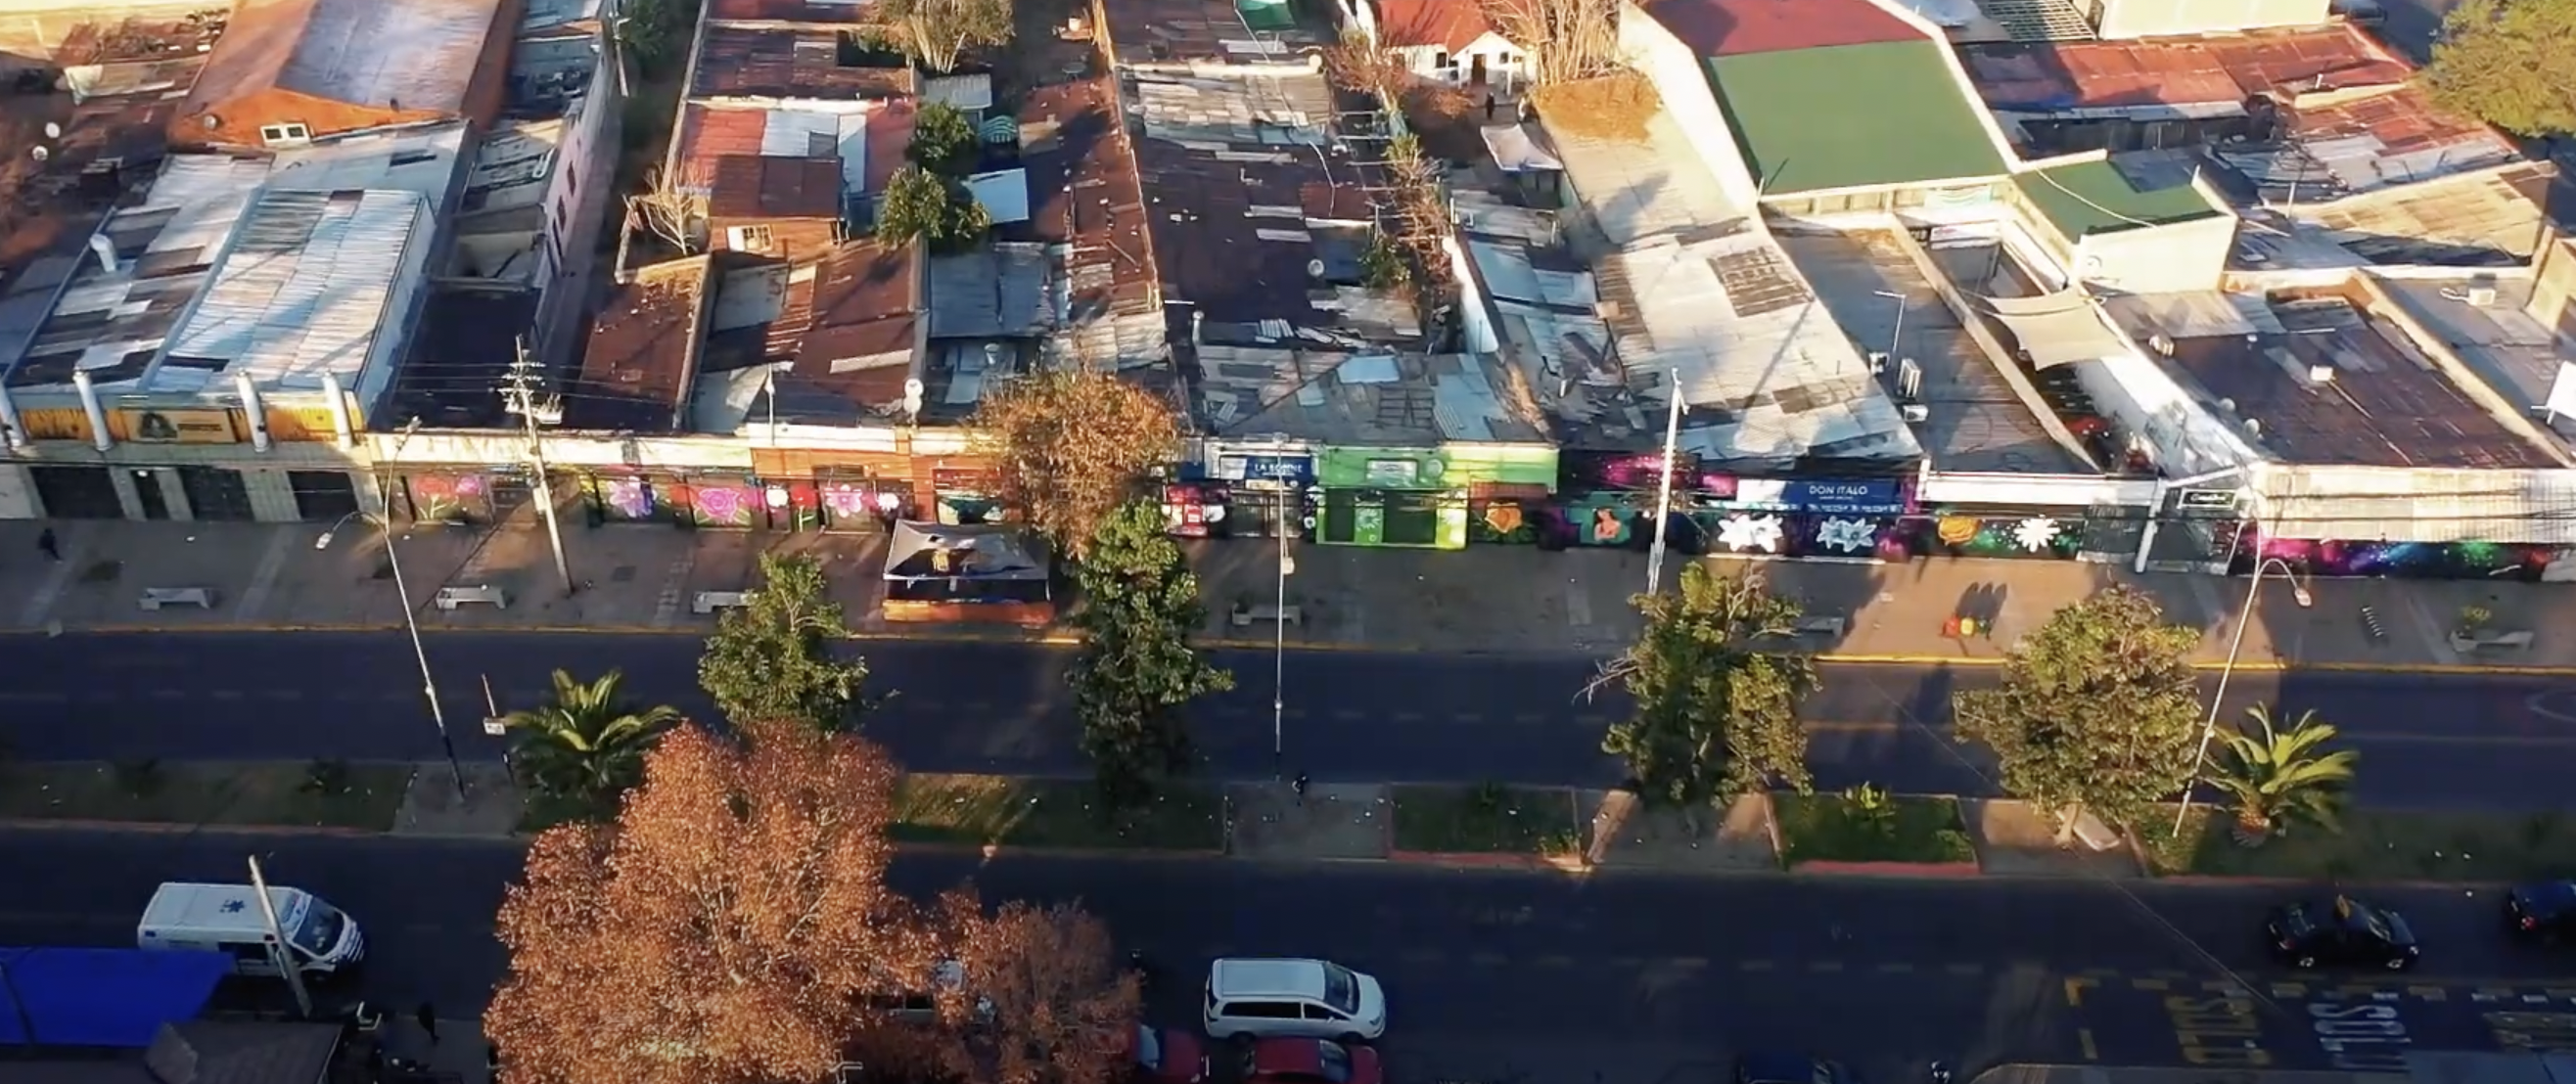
<point>572,180</point>
<point>1442,59</point>
<point>748,238</point>
<point>1341,988</point>
<point>1260,1010</point>
<point>1319,1012</point>
<point>285,133</point>
<point>563,216</point>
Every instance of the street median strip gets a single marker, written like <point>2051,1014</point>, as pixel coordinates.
<point>1484,824</point>
<point>1866,830</point>
<point>320,795</point>
<point>1015,813</point>
<point>2376,845</point>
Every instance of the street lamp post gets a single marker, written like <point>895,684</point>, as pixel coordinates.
<point>1895,339</point>
<point>2209,726</point>
<point>1279,649</point>
<point>411,622</point>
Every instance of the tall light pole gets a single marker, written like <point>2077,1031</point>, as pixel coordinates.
<point>383,519</point>
<point>2209,726</point>
<point>1279,649</point>
<point>1664,493</point>
<point>1895,339</point>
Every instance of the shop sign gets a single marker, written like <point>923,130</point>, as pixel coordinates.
<point>180,426</point>
<point>1876,496</point>
<point>2206,503</point>
<point>1395,473</point>
<point>1295,470</point>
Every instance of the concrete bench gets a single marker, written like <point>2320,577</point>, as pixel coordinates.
<point>2513,641</point>
<point>709,602</point>
<point>155,598</point>
<point>449,598</point>
<point>1246,616</point>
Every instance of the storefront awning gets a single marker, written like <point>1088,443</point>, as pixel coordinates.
<point>2058,328</point>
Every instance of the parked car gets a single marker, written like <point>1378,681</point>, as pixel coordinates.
<point>2342,931</point>
<point>1775,1067</point>
<point>1310,1061</point>
<point>2542,909</point>
<point>1261,998</point>
<point>1168,1056</point>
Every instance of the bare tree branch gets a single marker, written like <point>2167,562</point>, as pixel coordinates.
<point>672,208</point>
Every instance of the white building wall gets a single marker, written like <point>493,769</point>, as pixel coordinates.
<point>17,492</point>
<point>2158,18</point>
<point>1438,64</point>
<point>2184,256</point>
<point>1681,80</point>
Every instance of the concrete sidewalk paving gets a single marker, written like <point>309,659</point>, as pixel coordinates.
<point>1493,599</point>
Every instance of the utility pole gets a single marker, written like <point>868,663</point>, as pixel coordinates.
<point>279,951</point>
<point>523,398</point>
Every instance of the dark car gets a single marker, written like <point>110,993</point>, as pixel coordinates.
<point>2542,909</point>
<point>1781,1068</point>
<point>2342,931</point>
<point>1310,1061</point>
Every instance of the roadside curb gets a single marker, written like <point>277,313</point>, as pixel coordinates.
<point>176,828</point>
<point>1489,860</point>
<point>1067,640</point>
<point>1920,871</point>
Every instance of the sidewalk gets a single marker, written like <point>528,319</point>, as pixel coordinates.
<point>1499,599</point>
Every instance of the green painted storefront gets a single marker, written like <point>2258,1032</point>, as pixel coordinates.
<point>1418,497</point>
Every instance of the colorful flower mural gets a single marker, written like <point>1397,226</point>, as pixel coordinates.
<point>725,504</point>
<point>628,499</point>
<point>444,498</point>
<point>1957,534</point>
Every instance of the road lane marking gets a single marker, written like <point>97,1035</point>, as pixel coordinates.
<point>2217,1032</point>
<point>2548,1032</point>
<point>2084,1039</point>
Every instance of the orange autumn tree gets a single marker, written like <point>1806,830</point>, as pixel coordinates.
<point>1044,1001</point>
<point>726,929</point>
<point>1071,445</point>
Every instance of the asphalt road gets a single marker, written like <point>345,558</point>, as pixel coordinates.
<point>1505,976</point>
<point>2426,741</point>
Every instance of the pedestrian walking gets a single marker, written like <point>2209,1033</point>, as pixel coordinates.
<point>1299,785</point>
<point>491,1061</point>
<point>48,545</point>
<point>427,1015</point>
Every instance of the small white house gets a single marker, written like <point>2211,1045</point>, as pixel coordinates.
<point>1447,41</point>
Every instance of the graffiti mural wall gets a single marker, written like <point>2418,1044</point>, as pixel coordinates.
<point>2419,560</point>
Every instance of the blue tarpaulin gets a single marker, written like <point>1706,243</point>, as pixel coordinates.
<point>102,997</point>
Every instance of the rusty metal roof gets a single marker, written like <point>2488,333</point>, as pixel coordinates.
<point>1150,31</point>
<point>2289,65</point>
<point>2099,75</point>
<point>643,353</point>
<point>794,62</point>
<point>1713,28</point>
<point>860,346</point>
<point>1084,192</point>
<point>764,186</point>
<point>1448,24</point>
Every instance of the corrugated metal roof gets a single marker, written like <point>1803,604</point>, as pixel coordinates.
<point>302,292</point>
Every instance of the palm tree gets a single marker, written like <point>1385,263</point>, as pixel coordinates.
<point>2280,775</point>
<point>586,746</point>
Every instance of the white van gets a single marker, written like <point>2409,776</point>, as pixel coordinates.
<point>1275,998</point>
<point>228,919</point>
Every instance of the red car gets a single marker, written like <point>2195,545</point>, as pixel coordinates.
<point>1309,1061</point>
<point>1168,1056</point>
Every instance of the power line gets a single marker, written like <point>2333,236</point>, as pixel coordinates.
<point>522,394</point>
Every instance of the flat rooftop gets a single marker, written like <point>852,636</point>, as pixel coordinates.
<point>1848,116</point>
<point>2494,218</point>
<point>1373,399</point>
<point>458,359</point>
<point>2484,322</point>
<point>2082,199</point>
<point>748,60</point>
<point>1974,421</point>
<point>1698,287</point>
<point>2381,141</point>
<point>1234,31</point>
<point>2324,384</point>
<point>410,55</point>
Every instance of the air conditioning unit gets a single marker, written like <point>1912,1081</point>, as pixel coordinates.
<point>2482,296</point>
<point>1915,412</point>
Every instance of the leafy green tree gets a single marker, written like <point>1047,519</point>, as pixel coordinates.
<point>936,34</point>
<point>919,205</point>
<point>942,141</point>
<point>2507,62</point>
<point>2283,775</point>
<point>1140,607</point>
<point>772,659</point>
<point>584,749</point>
<point>2097,711</point>
<point>1717,706</point>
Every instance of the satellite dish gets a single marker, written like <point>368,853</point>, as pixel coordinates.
<point>53,130</point>
<point>40,153</point>
<point>1314,269</point>
<point>212,122</point>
